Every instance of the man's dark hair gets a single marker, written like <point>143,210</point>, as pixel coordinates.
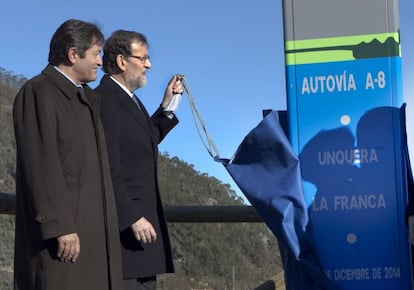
<point>76,34</point>
<point>119,43</point>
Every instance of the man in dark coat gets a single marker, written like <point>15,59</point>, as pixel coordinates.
<point>132,139</point>
<point>67,237</point>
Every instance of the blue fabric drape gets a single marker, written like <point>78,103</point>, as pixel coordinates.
<point>268,172</point>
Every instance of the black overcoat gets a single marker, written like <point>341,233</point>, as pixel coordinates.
<point>63,186</point>
<point>132,139</point>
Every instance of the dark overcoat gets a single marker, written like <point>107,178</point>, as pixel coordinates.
<point>63,186</point>
<point>132,139</point>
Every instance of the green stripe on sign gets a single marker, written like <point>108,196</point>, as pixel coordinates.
<point>342,48</point>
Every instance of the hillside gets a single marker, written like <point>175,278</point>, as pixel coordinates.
<point>206,255</point>
<point>9,84</point>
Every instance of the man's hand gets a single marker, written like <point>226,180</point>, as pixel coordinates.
<point>144,231</point>
<point>173,87</point>
<point>68,247</point>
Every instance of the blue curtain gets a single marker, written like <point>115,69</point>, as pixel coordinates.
<point>268,172</point>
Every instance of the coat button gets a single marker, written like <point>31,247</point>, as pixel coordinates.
<point>41,217</point>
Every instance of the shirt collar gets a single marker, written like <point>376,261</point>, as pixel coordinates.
<point>131,94</point>
<point>66,76</point>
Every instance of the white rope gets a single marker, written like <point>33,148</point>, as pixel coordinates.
<point>199,122</point>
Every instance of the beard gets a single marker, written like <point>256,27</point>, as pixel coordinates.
<point>137,81</point>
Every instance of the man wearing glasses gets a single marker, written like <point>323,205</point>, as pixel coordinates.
<point>132,139</point>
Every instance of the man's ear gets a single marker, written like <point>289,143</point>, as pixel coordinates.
<point>121,62</point>
<point>72,55</point>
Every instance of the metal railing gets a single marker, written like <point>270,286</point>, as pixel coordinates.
<point>177,213</point>
<point>7,203</point>
<point>189,214</point>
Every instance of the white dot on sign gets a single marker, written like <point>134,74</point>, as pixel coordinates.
<point>345,120</point>
<point>351,238</point>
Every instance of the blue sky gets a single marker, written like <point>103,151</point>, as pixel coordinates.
<point>230,51</point>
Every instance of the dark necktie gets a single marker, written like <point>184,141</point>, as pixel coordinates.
<point>141,107</point>
<point>137,102</point>
<point>82,95</point>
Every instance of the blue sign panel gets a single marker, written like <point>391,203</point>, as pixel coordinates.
<point>344,99</point>
<point>347,123</point>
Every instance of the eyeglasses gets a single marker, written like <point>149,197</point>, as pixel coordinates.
<point>143,59</point>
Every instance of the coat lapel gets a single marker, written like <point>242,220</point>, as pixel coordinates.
<point>141,116</point>
<point>61,82</point>
<point>68,88</point>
